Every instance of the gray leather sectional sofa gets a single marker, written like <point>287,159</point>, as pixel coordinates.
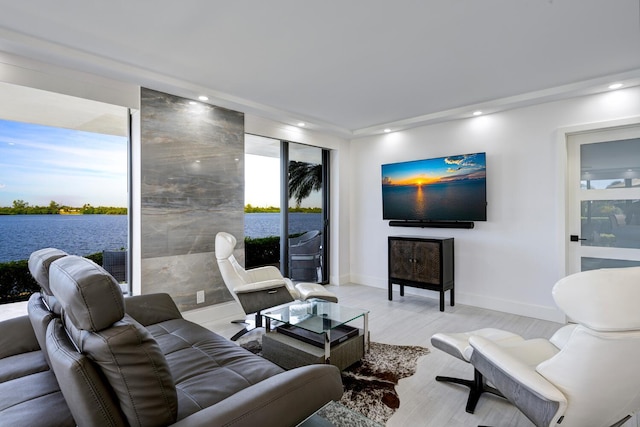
<point>87,356</point>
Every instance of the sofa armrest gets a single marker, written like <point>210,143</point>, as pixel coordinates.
<point>17,337</point>
<point>150,309</point>
<point>285,399</point>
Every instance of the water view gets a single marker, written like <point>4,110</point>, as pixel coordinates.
<point>268,224</point>
<point>88,234</point>
<point>74,234</point>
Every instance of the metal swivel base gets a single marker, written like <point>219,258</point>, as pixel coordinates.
<point>476,386</point>
<point>251,325</point>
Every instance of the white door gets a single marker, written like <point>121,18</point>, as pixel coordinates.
<point>603,199</point>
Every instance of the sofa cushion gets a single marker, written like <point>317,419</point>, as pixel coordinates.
<point>21,365</point>
<point>33,400</point>
<point>89,296</point>
<point>206,367</point>
<point>134,366</point>
<point>149,309</point>
<point>82,385</point>
<point>40,316</point>
<point>125,353</point>
<point>17,337</point>
<point>39,262</point>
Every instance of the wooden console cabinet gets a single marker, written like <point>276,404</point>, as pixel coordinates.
<point>422,262</point>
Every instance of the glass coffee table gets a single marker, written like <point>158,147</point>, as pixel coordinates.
<point>314,331</point>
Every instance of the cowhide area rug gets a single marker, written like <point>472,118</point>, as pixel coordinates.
<point>369,385</point>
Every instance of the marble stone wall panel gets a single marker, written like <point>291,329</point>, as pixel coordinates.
<point>192,156</point>
<point>192,187</point>
<point>167,232</point>
<point>182,276</point>
<point>192,173</point>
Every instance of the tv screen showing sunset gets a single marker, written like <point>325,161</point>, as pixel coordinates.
<point>449,188</point>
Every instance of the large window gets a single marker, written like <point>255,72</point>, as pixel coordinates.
<point>277,174</point>
<point>63,176</point>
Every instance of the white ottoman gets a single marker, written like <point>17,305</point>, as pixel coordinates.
<point>457,345</point>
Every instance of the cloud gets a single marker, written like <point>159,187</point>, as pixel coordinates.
<point>2,186</point>
<point>454,160</point>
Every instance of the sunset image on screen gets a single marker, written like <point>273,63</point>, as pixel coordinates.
<point>444,188</point>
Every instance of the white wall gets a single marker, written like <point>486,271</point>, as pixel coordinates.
<point>510,262</point>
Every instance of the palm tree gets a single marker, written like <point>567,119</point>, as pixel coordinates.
<point>303,179</point>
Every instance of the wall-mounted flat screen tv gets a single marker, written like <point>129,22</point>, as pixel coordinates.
<point>452,188</point>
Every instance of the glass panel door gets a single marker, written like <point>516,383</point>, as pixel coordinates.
<point>306,225</point>
<point>262,219</point>
<point>604,199</point>
<point>280,173</point>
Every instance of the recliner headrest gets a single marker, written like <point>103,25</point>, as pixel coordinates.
<point>603,300</point>
<point>90,297</point>
<point>225,244</point>
<point>39,262</point>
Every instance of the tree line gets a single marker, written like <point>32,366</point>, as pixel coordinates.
<point>20,207</point>
<point>273,209</point>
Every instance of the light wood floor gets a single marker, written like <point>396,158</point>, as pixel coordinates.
<point>412,320</point>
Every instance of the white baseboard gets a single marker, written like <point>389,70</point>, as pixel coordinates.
<point>552,314</point>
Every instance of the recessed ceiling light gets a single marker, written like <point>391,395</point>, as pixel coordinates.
<point>387,130</point>
<point>615,86</point>
<point>192,102</point>
<point>301,124</point>
<point>477,113</point>
<point>203,98</point>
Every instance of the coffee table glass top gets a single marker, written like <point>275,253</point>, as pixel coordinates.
<point>314,315</point>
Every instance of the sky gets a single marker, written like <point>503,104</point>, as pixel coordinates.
<point>40,164</point>
<point>430,171</point>
<point>262,183</point>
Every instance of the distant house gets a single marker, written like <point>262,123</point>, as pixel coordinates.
<point>70,211</point>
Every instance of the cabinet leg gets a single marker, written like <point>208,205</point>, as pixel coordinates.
<point>442,301</point>
<point>452,298</point>
<point>390,292</point>
<point>401,290</point>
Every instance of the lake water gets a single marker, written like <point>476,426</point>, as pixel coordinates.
<point>268,224</point>
<point>20,235</point>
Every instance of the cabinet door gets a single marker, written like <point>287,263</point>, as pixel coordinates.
<point>427,264</point>
<point>401,259</point>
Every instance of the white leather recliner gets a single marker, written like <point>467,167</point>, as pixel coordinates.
<point>588,373</point>
<point>260,288</point>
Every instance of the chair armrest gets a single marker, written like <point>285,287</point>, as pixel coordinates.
<point>150,309</point>
<point>260,286</point>
<point>536,397</point>
<point>285,399</point>
<point>560,338</point>
<point>268,272</point>
<point>17,337</point>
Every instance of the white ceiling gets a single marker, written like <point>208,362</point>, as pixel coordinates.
<point>28,105</point>
<point>351,67</point>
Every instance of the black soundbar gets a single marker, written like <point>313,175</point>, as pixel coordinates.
<point>432,224</point>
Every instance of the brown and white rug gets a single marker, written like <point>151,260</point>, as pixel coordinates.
<point>369,385</point>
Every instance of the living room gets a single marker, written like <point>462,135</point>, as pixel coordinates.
<point>506,265</point>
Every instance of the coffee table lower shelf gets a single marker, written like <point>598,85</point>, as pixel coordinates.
<point>288,352</point>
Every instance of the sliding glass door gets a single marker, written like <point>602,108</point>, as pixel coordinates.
<point>295,238</point>
<point>306,218</point>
